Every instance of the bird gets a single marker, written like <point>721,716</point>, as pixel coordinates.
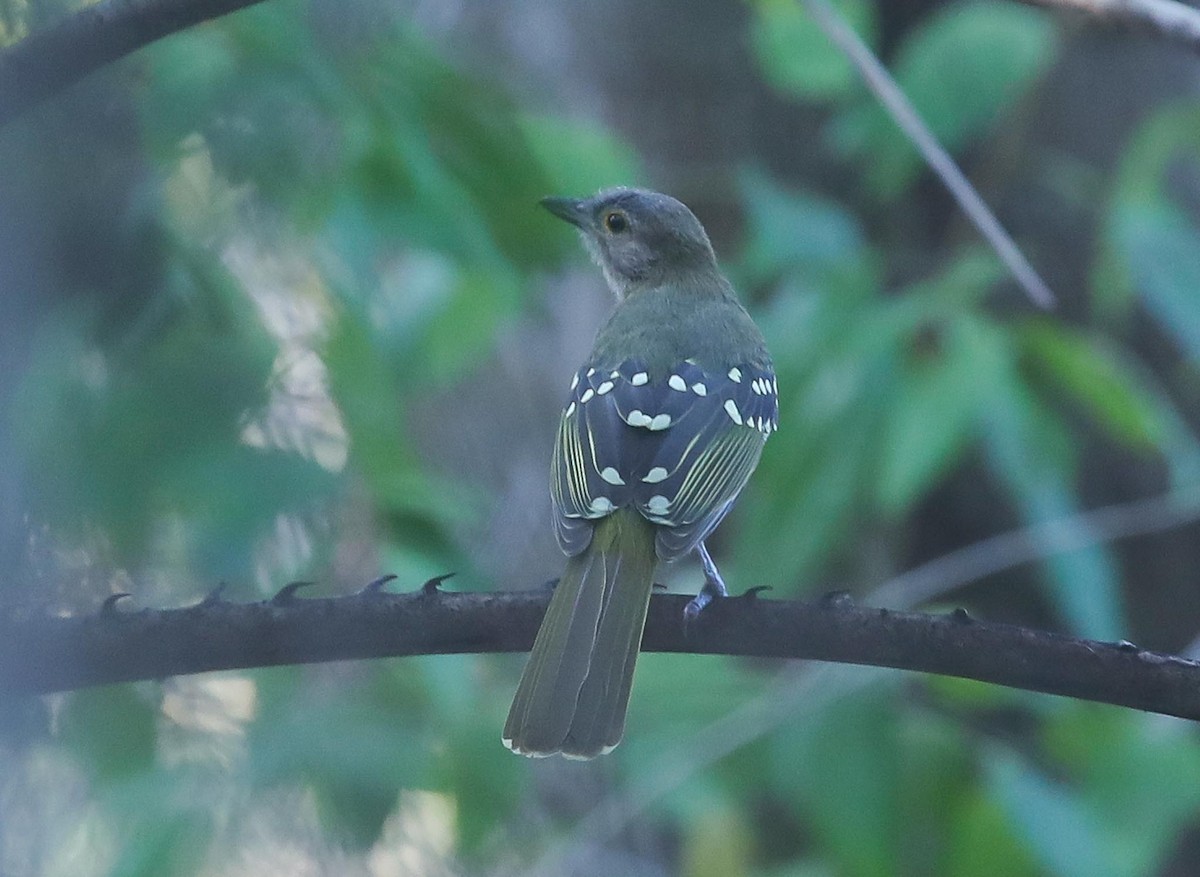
<point>663,425</point>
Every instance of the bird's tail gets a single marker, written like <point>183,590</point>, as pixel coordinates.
<point>575,688</point>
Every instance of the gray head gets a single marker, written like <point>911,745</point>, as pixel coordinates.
<point>641,239</point>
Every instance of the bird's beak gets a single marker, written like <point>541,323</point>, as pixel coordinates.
<point>568,209</point>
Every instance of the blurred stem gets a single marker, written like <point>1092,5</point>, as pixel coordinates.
<point>50,59</point>
<point>898,106</point>
<point>1026,544</point>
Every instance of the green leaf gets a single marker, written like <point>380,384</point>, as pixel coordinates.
<point>843,767</point>
<point>1031,450</point>
<point>1162,248</point>
<point>578,158</point>
<point>112,729</point>
<point>963,69</point>
<point>798,232</point>
<point>795,55</point>
<point>1164,145</point>
<point>1138,773</point>
<point>983,843</point>
<point>1056,827</point>
<point>930,421</point>
<point>355,746</point>
<point>1092,372</point>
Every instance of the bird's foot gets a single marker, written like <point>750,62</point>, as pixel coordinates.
<point>714,587</point>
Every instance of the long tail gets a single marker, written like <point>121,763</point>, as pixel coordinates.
<point>575,688</point>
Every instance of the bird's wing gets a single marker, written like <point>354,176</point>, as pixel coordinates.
<point>678,447</point>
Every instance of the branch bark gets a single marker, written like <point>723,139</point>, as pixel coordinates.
<point>44,654</point>
<point>50,59</point>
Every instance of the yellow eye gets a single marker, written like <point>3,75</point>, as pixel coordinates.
<point>616,222</point>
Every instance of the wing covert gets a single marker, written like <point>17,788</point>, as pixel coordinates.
<point>678,446</point>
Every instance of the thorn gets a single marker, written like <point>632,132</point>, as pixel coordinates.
<point>751,594</point>
<point>961,616</point>
<point>109,607</point>
<point>214,596</point>
<point>837,600</point>
<point>432,586</point>
<point>1122,645</point>
<point>376,587</point>
<point>287,594</point>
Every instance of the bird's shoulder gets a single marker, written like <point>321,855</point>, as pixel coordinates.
<point>699,321</point>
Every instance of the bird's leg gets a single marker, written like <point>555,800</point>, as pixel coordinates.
<point>714,585</point>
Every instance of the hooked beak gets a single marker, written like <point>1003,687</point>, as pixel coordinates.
<point>568,209</point>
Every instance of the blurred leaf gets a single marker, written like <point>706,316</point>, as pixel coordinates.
<point>796,56</point>
<point>1051,820</point>
<point>1031,450</point>
<point>485,780</point>
<point>1163,252</point>
<point>131,438</point>
<point>843,765</point>
<point>578,158</point>
<point>1139,773</point>
<point>795,231</point>
<point>965,67</point>
<point>983,843</point>
<point>160,839</point>
<point>1089,372</point>
<point>939,391</point>
<point>112,729</point>
<point>354,746</point>
<point>1142,206</point>
<point>718,843</point>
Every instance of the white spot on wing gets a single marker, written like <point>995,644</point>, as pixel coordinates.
<point>601,505</point>
<point>574,381</point>
<point>639,379</point>
<point>611,475</point>
<point>587,394</point>
<point>699,389</point>
<point>637,418</point>
<point>660,421</point>
<point>735,375</point>
<point>655,475</point>
<point>590,372</point>
<point>732,410</point>
<point>658,504</point>
<point>570,410</point>
<point>604,388</point>
<point>675,382</point>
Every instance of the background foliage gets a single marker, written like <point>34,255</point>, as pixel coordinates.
<point>276,303</point>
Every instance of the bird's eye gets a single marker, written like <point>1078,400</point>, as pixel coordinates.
<point>616,222</point>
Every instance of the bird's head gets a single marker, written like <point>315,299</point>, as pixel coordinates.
<point>640,239</point>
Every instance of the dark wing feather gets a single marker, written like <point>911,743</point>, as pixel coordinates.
<point>677,446</point>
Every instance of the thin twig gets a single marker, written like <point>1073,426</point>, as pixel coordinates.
<point>881,84</point>
<point>1167,18</point>
<point>1026,544</point>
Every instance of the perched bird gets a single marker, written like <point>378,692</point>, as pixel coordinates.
<point>665,422</point>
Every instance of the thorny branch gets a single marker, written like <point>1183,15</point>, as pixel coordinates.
<point>41,654</point>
